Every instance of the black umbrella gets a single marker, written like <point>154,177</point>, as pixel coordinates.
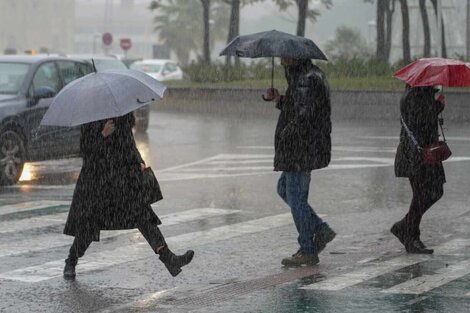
<point>273,44</point>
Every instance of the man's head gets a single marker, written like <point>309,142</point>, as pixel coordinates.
<point>286,62</point>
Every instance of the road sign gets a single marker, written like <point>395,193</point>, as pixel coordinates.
<point>107,39</point>
<point>126,44</point>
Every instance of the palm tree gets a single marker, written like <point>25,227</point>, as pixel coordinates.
<point>179,26</point>
<point>426,30</point>
<point>304,12</point>
<point>406,31</point>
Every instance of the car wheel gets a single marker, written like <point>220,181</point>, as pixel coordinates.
<point>12,155</point>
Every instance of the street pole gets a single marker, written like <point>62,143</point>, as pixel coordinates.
<point>468,30</point>
<point>439,28</point>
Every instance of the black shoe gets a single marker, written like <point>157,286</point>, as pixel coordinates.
<point>322,237</point>
<point>398,231</point>
<point>173,262</point>
<point>417,247</point>
<point>301,258</point>
<point>69,270</point>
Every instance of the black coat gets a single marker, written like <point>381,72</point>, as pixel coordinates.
<point>302,140</point>
<point>106,196</point>
<point>420,112</point>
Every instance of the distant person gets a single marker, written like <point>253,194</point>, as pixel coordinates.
<point>302,144</point>
<point>419,107</point>
<point>106,196</point>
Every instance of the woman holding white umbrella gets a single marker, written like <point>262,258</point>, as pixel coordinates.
<point>108,194</point>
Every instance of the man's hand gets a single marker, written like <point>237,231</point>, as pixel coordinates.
<point>272,94</point>
<point>108,128</point>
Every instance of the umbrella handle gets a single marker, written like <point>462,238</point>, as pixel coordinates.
<point>266,99</point>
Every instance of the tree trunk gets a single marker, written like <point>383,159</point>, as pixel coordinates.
<point>206,48</point>
<point>389,19</point>
<point>406,31</point>
<point>302,18</point>
<point>234,27</point>
<point>443,38</point>
<point>380,52</point>
<point>426,30</point>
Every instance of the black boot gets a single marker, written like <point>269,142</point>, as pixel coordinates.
<point>417,247</point>
<point>69,269</point>
<point>173,262</point>
<point>398,229</point>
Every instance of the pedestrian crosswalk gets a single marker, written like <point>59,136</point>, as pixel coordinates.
<point>455,264</point>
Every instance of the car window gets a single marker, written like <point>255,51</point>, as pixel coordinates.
<point>69,71</point>
<point>85,68</point>
<point>170,67</point>
<point>12,76</point>
<point>47,76</point>
<point>102,65</point>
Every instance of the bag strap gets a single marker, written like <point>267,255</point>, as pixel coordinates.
<point>410,134</point>
<point>441,122</point>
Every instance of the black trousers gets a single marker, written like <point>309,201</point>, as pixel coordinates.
<point>425,194</point>
<point>149,230</point>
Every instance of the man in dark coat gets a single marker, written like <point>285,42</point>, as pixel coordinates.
<point>419,107</point>
<point>302,144</point>
<point>107,195</point>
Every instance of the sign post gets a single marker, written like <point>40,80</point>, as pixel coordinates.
<point>107,40</point>
<point>125,44</point>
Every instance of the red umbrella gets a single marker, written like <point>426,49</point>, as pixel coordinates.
<point>435,71</point>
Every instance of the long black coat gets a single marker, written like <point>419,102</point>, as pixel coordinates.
<point>302,140</point>
<point>106,195</point>
<point>420,112</point>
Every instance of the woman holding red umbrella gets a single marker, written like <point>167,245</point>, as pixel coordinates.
<point>419,109</point>
<point>420,153</point>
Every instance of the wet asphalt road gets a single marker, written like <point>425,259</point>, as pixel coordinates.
<point>220,200</point>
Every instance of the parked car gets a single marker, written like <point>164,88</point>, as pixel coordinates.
<point>161,70</point>
<point>103,63</point>
<point>28,85</point>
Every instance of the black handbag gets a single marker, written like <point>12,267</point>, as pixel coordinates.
<point>151,191</point>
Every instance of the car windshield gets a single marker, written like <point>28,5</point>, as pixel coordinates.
<point>147,68</point>
<point>12,76</point>
<point>102,65</point>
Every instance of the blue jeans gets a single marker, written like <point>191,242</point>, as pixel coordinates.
<point>293,188</point>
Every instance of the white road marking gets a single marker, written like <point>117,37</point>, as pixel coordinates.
<point>375,269</point>
<point>30,206</point>
<point>449,138</point>
<point>425,283</point>
<point>141,249</point>
<point>47,241</point>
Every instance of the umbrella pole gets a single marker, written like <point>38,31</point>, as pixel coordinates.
<point>272,72</point>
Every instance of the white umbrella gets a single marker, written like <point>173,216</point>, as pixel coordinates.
<point>102,95</point>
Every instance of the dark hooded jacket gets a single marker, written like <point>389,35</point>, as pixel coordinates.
<point>420,112</point>
<point>302,139</point>
<point>107,193</point>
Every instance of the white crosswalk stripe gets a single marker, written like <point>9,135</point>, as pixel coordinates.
<point>50,240</point>
<point>426,283</point>
<point>31,206</point>
<point>375,269</point>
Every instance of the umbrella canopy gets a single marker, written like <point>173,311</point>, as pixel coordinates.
<point>435,71</point>
<point>102,95</point>
<point>273,44</point>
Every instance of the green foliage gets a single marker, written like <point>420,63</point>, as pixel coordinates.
<point>179,24</point>
<point>219,72</point>
<point>261,70</point>
<point>347,44</point>
<point>356,67</point>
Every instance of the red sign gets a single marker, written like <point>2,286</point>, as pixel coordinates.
<point>107,39</point>
<point>126,44</point>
